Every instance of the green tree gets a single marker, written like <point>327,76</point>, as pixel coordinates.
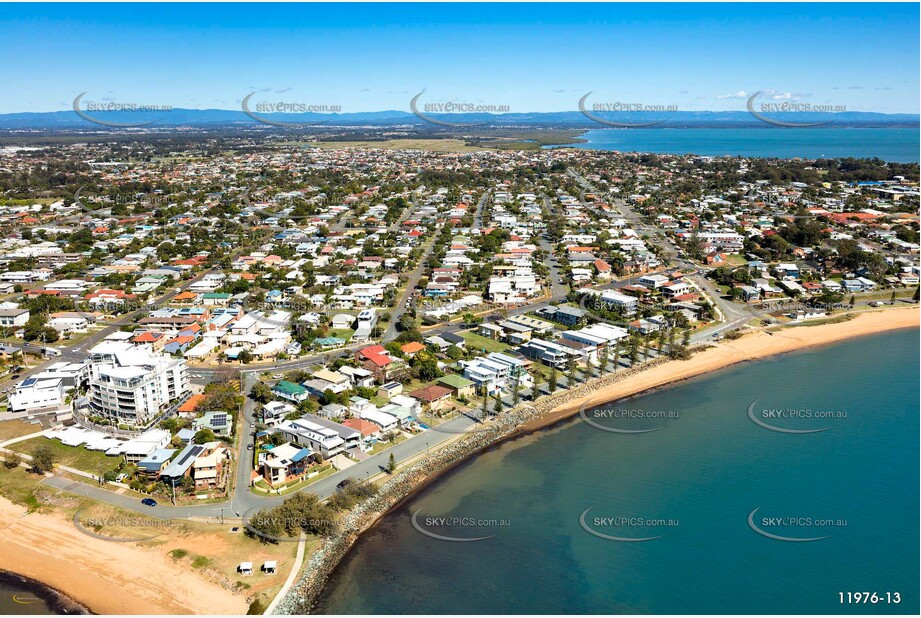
<point>391,464</point>
<point>203,436</point>
<point>261,393</point>
<point>603,360</point>
<point>43,458</point>
<point>892,298</point>
<point>497,405</point>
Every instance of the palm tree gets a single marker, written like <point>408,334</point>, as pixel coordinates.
<point>551,382</point>
<point>616,355</point>
<point>497,407</point>
<point>603,360</point>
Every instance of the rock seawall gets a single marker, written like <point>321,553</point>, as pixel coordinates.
<point>321,564</point>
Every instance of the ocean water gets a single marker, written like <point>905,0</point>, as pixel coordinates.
<point>20,596</point>
<point>897,144</point>
<point>693,483</point>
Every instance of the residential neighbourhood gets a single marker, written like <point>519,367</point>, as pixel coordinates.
<point>191,334</point>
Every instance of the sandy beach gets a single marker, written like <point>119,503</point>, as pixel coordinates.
<point>726,353</point>
<point>114,578</point>
<point>106,577</point>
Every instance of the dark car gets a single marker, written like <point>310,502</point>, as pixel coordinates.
<point>149,502</point>
<point>343,484</point>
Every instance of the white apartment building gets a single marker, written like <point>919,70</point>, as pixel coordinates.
<point>131,385</point>
<point>37,394</point>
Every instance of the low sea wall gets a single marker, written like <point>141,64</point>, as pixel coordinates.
<point>405,482</point>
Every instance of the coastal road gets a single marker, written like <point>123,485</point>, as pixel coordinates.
<point>244,500</point>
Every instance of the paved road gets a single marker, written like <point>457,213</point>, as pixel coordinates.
<point>557,289</point>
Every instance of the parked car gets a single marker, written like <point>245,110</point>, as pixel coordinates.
<point>344,483</point>
<point>149,502</point>
<point>249,447</point>
<point>876,303</point>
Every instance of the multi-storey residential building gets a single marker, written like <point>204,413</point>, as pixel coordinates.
<point>130,385</point>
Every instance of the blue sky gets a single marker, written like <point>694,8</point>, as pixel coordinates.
<point>530,57</point>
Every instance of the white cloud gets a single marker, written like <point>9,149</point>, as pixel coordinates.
<point>741,94</point>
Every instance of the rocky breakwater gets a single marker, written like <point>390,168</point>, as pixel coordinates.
<point>404,482</point>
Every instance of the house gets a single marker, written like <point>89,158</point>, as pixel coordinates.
<point>389,390</point>
<point>358,376</point>
<point>490,331</point>
<point>290,391</point>
<point>152,465</point>
<point>208,470</point>
<point>368,430</point>
<point>412,348</point>
<point>13,318</point>
<point>458,385</point>
<point>218,421</point>
<point>275,411</point>
<point>375,359</point>
<point>653,282</point>
<point>307,433</point>
<point>715,258</point>
<point>181,465</point>
<point>285,462</point>
<point>434,397</point>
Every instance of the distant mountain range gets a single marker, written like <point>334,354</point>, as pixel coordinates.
<point>214,118</point>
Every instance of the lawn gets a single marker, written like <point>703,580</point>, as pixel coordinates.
<point>18,486</point>
<point>383,446</point>
<point>77,457</point>
<point>479,343</point>
<point>15,429</point>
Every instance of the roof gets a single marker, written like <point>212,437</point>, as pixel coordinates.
<point>376,354</point>
<point>365,427</point>
<point>191,403</point>
<point>412,347</point>
<point>289,388</point>
<point>431,393</point>
<point>454,380</point>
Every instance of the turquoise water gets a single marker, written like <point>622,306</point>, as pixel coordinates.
<point>703,472</point>
<point>899,145</point>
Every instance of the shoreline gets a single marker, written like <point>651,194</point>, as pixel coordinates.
<point>751,347</point>
<point>101,576</point>
<point>58,602</point>
<point>657,374</point>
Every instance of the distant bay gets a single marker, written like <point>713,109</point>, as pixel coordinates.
<point>900,145</point>
<point>705,473</point>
